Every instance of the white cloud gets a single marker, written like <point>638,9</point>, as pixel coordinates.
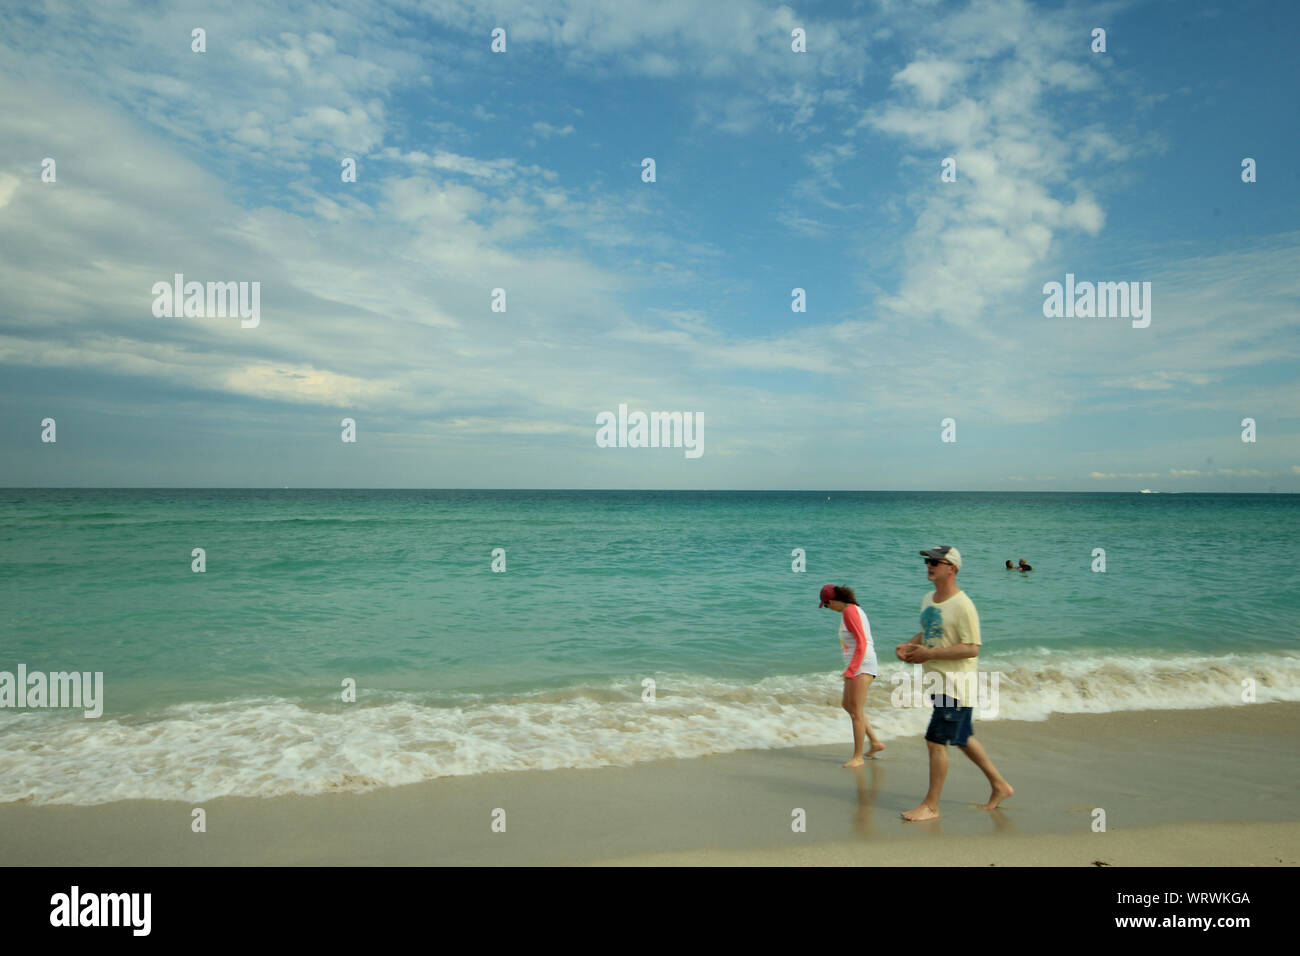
<point>931,79</point>
<point>981,239</point>
<point>546,130</point>
<point>8,186</point>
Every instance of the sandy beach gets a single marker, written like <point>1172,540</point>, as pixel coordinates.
<point>1179,788</point>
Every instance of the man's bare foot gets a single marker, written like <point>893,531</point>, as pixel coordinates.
<point>855,762</point>
<point>921,813</point>
<point>875,748</point>
<point>999,794</point>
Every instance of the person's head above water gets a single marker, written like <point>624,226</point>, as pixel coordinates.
<point>835,594</point>
<point>1010,567</point>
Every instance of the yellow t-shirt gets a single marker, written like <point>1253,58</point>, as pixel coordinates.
<point>944,624</point>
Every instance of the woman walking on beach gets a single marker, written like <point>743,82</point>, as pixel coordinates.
<point>860,666</point>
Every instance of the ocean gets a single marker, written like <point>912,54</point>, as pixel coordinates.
<point>232,681</point>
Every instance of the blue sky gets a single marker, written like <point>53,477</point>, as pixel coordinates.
<point>775,170</point>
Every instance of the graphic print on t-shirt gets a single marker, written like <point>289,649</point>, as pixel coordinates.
<point>931,626</point>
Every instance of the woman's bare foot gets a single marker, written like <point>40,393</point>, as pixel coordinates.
<point>999,794</point>
<point>875,748</point>
<point>855,762</point>
<point>921,813</point>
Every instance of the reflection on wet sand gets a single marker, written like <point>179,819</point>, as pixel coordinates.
<point>863,824</point>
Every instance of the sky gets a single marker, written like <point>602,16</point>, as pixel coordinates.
<point>775,169</point>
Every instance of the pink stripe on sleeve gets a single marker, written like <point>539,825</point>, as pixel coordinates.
<point>854,624</point>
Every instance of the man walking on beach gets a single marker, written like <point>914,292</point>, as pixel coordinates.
<point>948,644</point>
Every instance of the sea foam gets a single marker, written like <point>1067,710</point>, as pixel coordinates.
<point>269,746</point>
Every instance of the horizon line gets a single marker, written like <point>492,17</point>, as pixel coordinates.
<point>810,491</point>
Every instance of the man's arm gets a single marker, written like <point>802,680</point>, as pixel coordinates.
<point>913,655</point>
<point>955,652</point>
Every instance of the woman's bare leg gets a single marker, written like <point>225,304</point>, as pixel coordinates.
<point>855,702</point>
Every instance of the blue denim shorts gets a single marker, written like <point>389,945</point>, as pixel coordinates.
<point>950,723</point>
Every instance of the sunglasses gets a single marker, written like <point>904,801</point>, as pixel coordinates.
<point>935,562</point>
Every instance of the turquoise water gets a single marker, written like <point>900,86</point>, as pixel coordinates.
<point>460,669</point>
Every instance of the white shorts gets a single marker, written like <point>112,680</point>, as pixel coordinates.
<point>868,665</point>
